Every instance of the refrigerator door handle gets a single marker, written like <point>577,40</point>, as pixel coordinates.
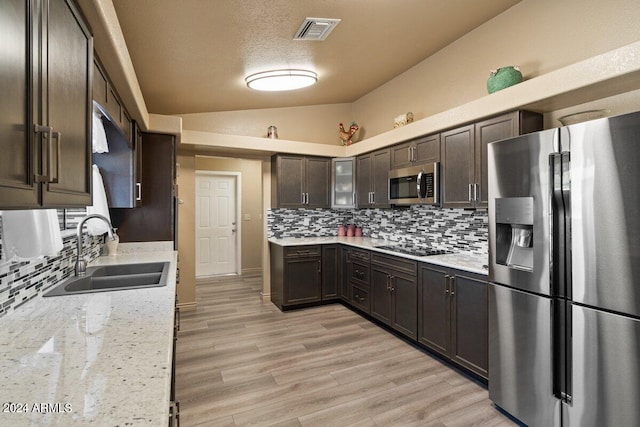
<point>557,248</point>
<point>562,353</point>
<point>566,197</point>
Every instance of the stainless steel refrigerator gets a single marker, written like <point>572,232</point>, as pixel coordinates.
<point>564,272</point>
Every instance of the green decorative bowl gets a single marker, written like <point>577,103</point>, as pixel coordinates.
<point>503,77</point>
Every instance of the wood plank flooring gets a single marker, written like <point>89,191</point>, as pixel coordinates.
<point>241,362</point>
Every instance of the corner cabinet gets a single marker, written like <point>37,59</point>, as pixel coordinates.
<point>464,156</point>
<point>300,181</point>
<point>453,316</point>
<point>372,180</point>
<point>45,109</point>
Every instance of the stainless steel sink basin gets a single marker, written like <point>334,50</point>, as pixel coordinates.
<point>114,278</point>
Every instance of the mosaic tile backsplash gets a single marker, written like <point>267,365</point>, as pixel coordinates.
<point>457,230</point>
<point>22,281</point>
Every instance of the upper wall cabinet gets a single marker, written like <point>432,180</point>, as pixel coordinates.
<point>45,108</point>
<point>372,180</point>
<point>425,149</point>
<point>106,96</point>
<point>300,181</point>
<point>343,183</point>
<point>464,156</point>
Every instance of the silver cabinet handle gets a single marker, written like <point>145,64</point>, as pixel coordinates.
<point>373,197</point>
<point>302,198</point>
<point>470,199</point>
<point>138,191</point>
<point>307,198</point>
<point>475,192</point>
<point>58,137</point>
<point>46,131</point>
<point>409,157</point>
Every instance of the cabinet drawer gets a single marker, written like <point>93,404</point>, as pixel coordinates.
<point>397,263</point>
<point>359,255</point>
<point>360,298</point>
<point>359,273</point>
<point>301,251</point>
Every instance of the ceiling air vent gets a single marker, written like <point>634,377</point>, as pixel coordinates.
<point>316,28</point>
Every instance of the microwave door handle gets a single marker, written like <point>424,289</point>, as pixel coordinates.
<point>418,186</point>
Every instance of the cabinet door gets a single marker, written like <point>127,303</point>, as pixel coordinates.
<point>433,315</point>
<point>343,183</point>
<point>318,181</point>
<point>380,179</point>
<point>17,165</point>
<point>290,181</point>
<point>470,323</point>
<point>401,155</point>
<point>427,149</point>
<point>137,149</point>
<point>303,280</point>
<point>67,105</point>
<point>343,279</point>
<point>100,85</point>
<point>155,220</point>
<point>380,294</point>
<point>404,301</point>
<point>330,272</point>
<point>495,129</point>
<point>458,162</point>
<point>363,181</point>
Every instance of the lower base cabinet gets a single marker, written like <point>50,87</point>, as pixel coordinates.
<point>302,275</point>
<point>394,293</point>
<point>440,308</point>
<point>453,318</point>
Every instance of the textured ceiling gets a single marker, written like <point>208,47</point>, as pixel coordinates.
<point>192,55</point>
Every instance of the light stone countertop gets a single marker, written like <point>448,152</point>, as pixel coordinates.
<point>99,359</point>
<point>466,261</point>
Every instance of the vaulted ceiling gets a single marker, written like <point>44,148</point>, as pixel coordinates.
<point>193,55</point>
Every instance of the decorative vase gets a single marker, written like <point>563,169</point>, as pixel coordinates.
<point>503,77</point>
<point>341,230</point>
<point>351,228</point>
<point>358,232</point>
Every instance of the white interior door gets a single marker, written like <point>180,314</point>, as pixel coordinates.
<point>216,229</point>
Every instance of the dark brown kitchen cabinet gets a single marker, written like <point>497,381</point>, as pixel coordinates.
<point>344,287</point>
<point>330,272</point>
<point>155,219</point>
<point>106,96</point>
<point>45,108</point>
<point>452,316</point>
<point>300,181</point>
<point>372,176</point>
<point>394,293</point>
<point>425,149</point>
<point>358,276</point>
<point>464,156</point>
<point>296,275</point>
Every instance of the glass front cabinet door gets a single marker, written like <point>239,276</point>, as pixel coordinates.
<point>343,183</point>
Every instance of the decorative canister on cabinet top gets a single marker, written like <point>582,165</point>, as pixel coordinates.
<point>503,77</point>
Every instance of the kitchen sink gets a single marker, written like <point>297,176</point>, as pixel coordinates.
<point>104,278</point>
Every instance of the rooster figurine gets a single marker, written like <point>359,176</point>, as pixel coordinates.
<point>346,135</point>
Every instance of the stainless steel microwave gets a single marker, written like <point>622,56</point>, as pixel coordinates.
<point>415,185</point>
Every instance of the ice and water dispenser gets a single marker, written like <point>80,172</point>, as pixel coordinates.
<point>514,232</point>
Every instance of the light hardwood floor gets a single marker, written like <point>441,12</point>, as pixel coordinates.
<point>241,361</point>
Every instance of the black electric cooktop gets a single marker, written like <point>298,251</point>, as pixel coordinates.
<point>414,250</point>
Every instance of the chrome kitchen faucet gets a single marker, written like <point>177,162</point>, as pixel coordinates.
<point>81,263</point>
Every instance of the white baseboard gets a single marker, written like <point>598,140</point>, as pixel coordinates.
<point>265,297</point>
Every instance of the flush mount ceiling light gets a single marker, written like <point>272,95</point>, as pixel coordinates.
<point>278,80</point>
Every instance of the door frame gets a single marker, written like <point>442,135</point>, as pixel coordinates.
<point>238,176</point>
